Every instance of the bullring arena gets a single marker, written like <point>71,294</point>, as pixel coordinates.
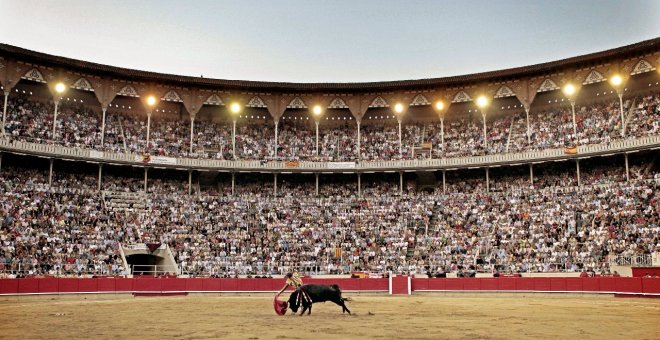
<point>380,308</point>
<point>517,203</point>
<point>421,316</point>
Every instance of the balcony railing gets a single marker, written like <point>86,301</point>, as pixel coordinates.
<point>632,260</point>
<point>57,151</point>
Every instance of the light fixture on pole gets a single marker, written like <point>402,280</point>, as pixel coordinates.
<point>482,104</point>
<point>398,109</point>
<point>151,102</point>
<point>235,110</point>
<point>617,83</point>
<point>317,111</point>
<point>440,110</point>
<point>59,89</point>
<point>569,91</point>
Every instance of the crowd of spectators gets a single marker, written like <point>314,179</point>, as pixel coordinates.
<point>599,123</point>
<point>78,125</point>
<point>61,230</point>
<point>555,225</point>
<point>644,119</point>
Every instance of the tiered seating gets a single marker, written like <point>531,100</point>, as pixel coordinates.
<point>78,126</point>
<point>555,226</point>
<point>119,201</point>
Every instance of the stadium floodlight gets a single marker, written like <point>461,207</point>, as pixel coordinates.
<point>60,87</point>
<point>482,102</point>
<point>235,108</point>
<point>569,90</point>
<point>616,82</point>
<point>151,100</point>
<point>440,108</point>
<point>317,110</point>
<point>398,108</point>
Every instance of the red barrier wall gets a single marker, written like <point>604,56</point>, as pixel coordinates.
<point>399,285</point>
<point>542,284</point>
<point>641,271</point>
<point>160,285</point>
<point>626,285</point>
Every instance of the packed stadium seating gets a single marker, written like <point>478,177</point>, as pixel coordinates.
<point>70,229</point>
<point>79,126</point>
<point>247,214</point>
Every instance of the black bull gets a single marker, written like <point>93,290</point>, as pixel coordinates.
<point>317,293</point>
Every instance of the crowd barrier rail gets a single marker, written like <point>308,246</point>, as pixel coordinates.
<point>53,285</point>
<point>513,158</point>
<point>396,285</point>
<point>605,285</point>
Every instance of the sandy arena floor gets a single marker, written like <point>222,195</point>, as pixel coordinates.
<point>252,317</point>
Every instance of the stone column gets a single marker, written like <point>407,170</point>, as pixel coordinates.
<point>623,120</point>
<point>50,173</point>
<point>487,180</point>
<point>529,130</point>
<point>100,176</point>
<point>317,138</point>
<point>483,115</point>
<point>627,168</point>
<point>358,140</point>
<point>104,109</point>
<point>233,139</point>
<point>189,182</point>
<point>276,139</point>
<point>574,123</point>
<point>192,133</point>
<point>442,134</point>
<point>146,170</point>
<point>4,112</point>
<point>359,184</point>
<point>444,182</point>
<point>317,183</point>
<point>400,146</point>
<point>57,103</point>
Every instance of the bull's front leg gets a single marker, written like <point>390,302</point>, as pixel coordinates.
<point>302,312</point>
<point>310,309</point>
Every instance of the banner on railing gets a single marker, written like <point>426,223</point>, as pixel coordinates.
<point>571,150</point>
<point>95,154</point>
<point>148,159</point>
<point>292,164</point>
<point>341,165</point>
<point>655,259</point>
